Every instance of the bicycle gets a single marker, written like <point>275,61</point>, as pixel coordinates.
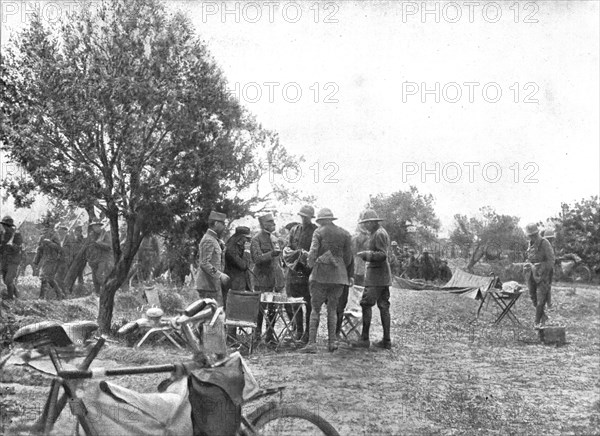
<point>178,394</point>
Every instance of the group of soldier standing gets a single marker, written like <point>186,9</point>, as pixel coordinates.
<point>57,250</point>
<point>321,263</point>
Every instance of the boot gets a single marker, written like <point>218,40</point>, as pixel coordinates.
<point>311,347</point>
<point>43,289</point>
<point>385,324</point>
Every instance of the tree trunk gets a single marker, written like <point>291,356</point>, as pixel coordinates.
<point>76,267</point>
<point>119,273</point>
<point>477,255</point>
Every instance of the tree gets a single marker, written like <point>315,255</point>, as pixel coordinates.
<point>578,230</point>
<point>123,109</point>
<point>410,207</point>
<point>487,235</point>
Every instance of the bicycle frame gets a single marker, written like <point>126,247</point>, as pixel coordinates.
<point>69,378</point>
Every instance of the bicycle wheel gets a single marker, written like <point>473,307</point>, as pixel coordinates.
<point>291,420</point>
<point>582,274</point>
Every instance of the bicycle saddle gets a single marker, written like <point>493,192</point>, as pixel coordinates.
<point>41,334</point>
<point>55,334</point>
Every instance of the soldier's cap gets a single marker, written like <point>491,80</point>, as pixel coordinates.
<point>369,215</point>
<point>217,216</point>
<point>307,211</point>
<point>531,229</point>
<point>325,214</point>
<point>8,221</point>
<point>266,217</point>
<point>394,243</point>
<point>242,230</point>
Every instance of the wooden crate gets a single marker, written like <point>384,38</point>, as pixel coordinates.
<point>552,335</point>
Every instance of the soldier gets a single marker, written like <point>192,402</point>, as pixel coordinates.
<point>412,265</point>
<point>378,279</point>
<point>427,271</point>
<point>211,277</point>
<point>237,261</point>
<point>540,262</point>
<point>63,260</point>
<point>49,254</point>
<point>75,243</point>
<point>330,258</point>
<point>265,251</point>
<point>295,255</point>
<point>99,254</point>
<point>445,271</point>
<point>147,257</point>
<point>11,243</point>
<point>395,261</point>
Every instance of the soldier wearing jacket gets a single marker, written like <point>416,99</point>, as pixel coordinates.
<point>48,256</point>
<point>265,251</point>
<point>378,279</point>
<point>99,254</point>
<point>11,243</point>
<point>63,261</point>
<point>295,255</point>
<point>211,277</point>
<point>237,261</point>
<point>330,258</point>
<point>538,271</point>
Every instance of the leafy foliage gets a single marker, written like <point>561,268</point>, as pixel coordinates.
<point>123,109</point>
<point>489,234</point>
<point>578,230</point>
<point>408,206</point>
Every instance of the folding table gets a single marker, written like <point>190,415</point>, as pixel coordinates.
<point>505,301</point>
<point>286,329</point>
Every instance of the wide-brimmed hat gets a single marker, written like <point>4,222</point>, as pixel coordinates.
<point>531,229</point>
<point>325,214</point>
<point>369,215</point>
<point>8,221</point>
<point>95,223</point>
<point>217,216</point>
<point>307,211</point>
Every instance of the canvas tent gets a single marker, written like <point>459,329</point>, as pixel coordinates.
<point>469,285</point>
<point>417,285</point>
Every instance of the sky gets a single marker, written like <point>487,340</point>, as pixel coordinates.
<point>487,104</point>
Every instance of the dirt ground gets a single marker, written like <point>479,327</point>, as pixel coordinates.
<point>445,375</point>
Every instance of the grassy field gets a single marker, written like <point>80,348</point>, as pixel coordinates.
<point>445,374</point>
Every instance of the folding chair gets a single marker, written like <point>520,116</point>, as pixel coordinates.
<point>241,317</point>
<point>353,313</point>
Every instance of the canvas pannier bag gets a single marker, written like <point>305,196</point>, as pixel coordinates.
<point>215,395</point>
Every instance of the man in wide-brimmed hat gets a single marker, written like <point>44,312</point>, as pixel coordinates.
<point>211,277</point>
<point>378,279</point>
<point>11,243</point>
<point>295,255</point>
<point>538,270</point>
<point>330,258</point>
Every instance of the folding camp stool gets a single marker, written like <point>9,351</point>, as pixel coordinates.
<point>506,301</point>
<point>352,317</point>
